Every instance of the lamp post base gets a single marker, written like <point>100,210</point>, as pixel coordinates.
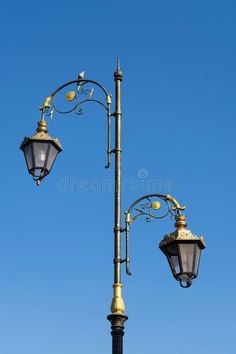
<point>117,331</point>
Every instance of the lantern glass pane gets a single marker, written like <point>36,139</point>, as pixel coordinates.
<point>174,260</point>
<point>197,259</point>
<point>28,155</point>
<point>38,172</point>
<point>186,254</point>
<point>172,254</point>
<point>40,153</point>
<point>51,157</point>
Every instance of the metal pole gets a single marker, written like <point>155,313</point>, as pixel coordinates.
<point>117,316</point>
<point>118,78</point>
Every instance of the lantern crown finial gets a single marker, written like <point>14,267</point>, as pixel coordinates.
<point>42,127</point>
<point>180,222</point>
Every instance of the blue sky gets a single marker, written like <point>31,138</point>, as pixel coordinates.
<point>179,111</point>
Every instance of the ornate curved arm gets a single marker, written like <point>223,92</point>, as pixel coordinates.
<point>150,207</point>
<point>76,98</point>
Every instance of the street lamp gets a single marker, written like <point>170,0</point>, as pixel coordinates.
<point>181,247</point>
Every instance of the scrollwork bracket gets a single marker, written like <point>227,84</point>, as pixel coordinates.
<point>150,206</point>
<point>82,93</point>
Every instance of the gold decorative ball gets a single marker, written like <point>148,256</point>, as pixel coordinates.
<point>156,205</point>
<point>70,96</point>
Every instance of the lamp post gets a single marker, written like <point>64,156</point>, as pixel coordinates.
<point>182,248</point>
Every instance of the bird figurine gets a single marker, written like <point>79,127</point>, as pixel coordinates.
<point>80,77</point>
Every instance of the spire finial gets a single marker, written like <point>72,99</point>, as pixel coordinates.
<point>118,73</point>
<point>118,63</point>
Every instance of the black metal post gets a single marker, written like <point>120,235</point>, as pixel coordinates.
<point>117,331</point>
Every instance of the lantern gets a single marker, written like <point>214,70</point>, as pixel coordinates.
<point>183,249</point>
<point>40,152</point>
